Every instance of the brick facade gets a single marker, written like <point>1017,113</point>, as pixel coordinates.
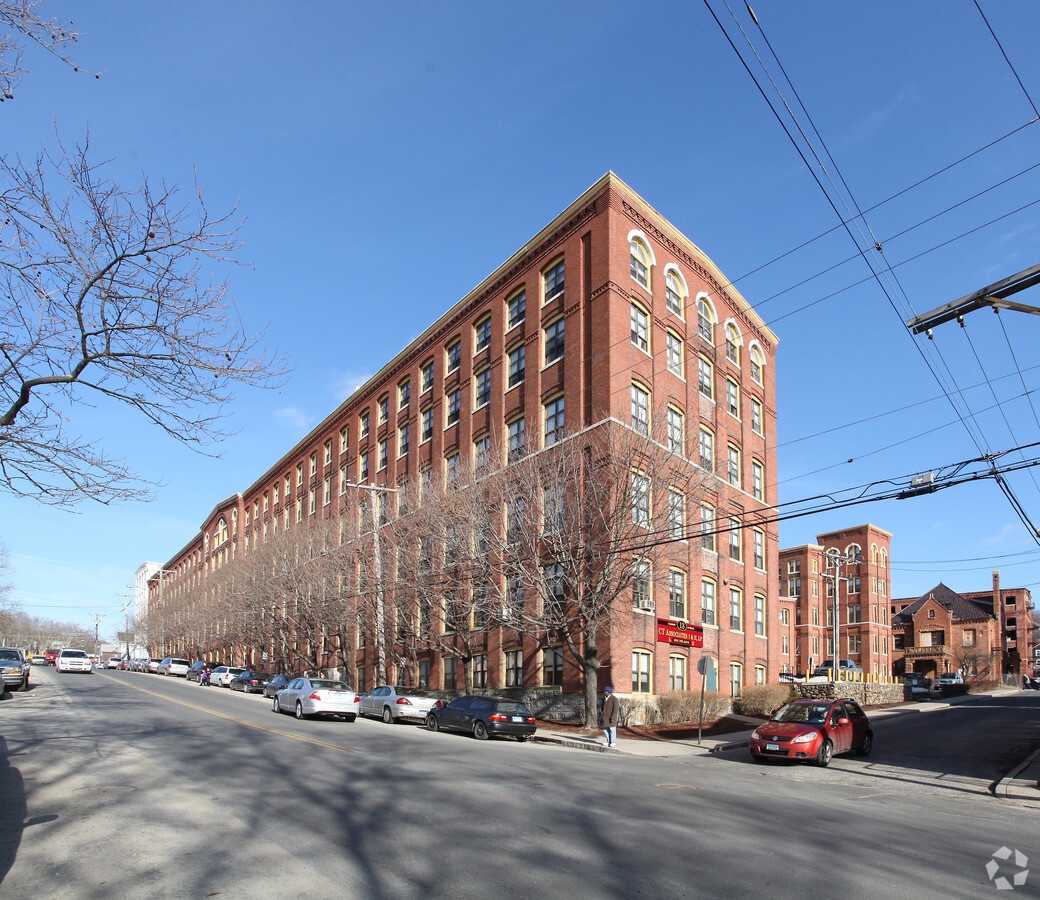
<point>642,311</point>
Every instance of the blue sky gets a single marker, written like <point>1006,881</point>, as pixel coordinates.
<point>386,157</point>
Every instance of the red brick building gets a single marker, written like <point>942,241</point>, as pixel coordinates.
<point>808,578</point>
<point>608,313</point>
<point>986,633</point>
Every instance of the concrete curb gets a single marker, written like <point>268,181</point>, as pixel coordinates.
<point>1008,788</point>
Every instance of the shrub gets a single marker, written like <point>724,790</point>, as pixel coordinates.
<point>761,699</point>
<point>685,706</point>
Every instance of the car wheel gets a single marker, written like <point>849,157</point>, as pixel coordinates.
<point>523,738</point>
<point>432,723</point>
<point>388,716</point>
<point>277,706</point>
<point>865,747</point>
<point>825,754</point>
<point>299,710</point>
<point>480,731</point>
<point>350,717</point>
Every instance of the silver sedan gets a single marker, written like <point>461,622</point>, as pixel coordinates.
<point>391,703</point>
<point>317,697</point>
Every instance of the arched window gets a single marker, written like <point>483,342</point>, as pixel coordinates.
<point>706,319</point>
<point>674,290</point>
<point>639,263</point>
<point>854,553</point>
<point>733,342</point>
<point>758,362</point>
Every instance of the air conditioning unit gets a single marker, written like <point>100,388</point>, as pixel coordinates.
<point>647,605</point>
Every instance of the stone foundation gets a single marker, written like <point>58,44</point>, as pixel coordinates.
<point>864,693</point>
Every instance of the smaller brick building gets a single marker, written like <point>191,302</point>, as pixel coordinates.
<point>984,633</point>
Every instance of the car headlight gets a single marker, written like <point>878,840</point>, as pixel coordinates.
<point>806,738</point>
<point>755,735</point>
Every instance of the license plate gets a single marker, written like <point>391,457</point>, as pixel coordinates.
<point>772,746</point>
<point>518,718</point>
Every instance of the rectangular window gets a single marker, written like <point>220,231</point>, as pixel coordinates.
<point>364,465</point>
<point>343,478</point>
<point>736,679</point>
<point>482,396</point>
<point>404,434</point>
<point>641,584</point>
<point>707,450</point>
<point>517,365</point>
<point>757,481</point>
<point>452,469</point>
<point>516,308</point>
<point>708,602</point>
<point>756,416</point>
<point>427,375</point>
<point>553,509</point>
<point>553,281</point>
<point>553,421</point>
<point>704,378</point>
<point>552,666</point>
<point>676,438</point>
<point>384,452</point>
<point>267,502</point>
<point>676,515</point>
<point>640,328</point>
<point>275,495</point>
<point>517,440</point>
<point>454,356</point>
<point>404,394</point>
<point>363,429</point>
<point>312,500</point>
<point>640,410</point>
<point>451,673</point>
<point>299,512</point>
<point>760,549</point>
<point>733,465</point>
<point>427,424</point>
<point>641,664</point>
<point>707,528</point>
<point>674,354</point>
<point>640,487</point>
<point>732,398</point>
<point>314,464</point>
<point>734,540</point>
<point>554,342</point>
<point>855,643</point>
<point>328,451</point>
<point>384,409</point>
<point>677,594</point>
<point>736,610</point>
<point>482,336</point>
<point>327,499</point>
<point>480,671</point>
<point>344,434</point>
<point>676,673</point>
<point>514,668</point>
<point>760,615</point>
<point>482,452</point>
<point>454,405</point>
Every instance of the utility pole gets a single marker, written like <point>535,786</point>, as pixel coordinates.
<point>835,561</point>
<point>377,562</point>
<point>126,618</point>
<point>97,641</point>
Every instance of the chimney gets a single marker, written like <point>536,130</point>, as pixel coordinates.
<point>998,612</point>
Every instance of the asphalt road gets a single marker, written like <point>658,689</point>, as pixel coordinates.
<point>124,785</point>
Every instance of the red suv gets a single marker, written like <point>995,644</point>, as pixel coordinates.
<point>813,730</point>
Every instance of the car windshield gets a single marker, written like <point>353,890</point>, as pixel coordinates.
<point>11,655</point>
<point>511,708</point>
<point>330,685</point>
<point>77,654</point>
<point>811,713</point>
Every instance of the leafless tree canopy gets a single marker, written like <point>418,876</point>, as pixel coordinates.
<point>49,35</point>
<point>106,298</point>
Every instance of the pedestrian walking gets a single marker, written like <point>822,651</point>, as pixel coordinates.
<point>608,720</point>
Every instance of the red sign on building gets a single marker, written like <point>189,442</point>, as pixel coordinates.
<point>672,631</point>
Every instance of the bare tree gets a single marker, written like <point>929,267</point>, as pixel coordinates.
<point>972,660</point>
<point>49,35</point>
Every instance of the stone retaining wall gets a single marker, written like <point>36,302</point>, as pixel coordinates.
<point>865,693</point>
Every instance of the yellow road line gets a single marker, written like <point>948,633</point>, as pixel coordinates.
<point>295,737</point>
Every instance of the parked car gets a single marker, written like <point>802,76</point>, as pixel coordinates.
<point>221,675</point>
<point>318,697</point>
<point>813,730</point>
<point>198,667</point>
<point>173,665</point>
<point>391,703</point>
<point>274,684</point>
<point>248,681</point>
<point>113,662</point>
<point>484,717</point>
<point>846,667</point>
<point>918,684</point>
<point>152,665</point>
<point>72,661</point>
<point>14,669</point>
<point>948,678</point>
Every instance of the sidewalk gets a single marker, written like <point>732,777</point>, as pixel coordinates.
<point>1020,784</point>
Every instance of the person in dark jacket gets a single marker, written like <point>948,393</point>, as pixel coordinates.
<point>609,718</point>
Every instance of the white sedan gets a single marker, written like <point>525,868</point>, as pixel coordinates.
<point>221,676</point>
<point>391,703</point>
<point>73,661</point>
<point>318,697</point>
